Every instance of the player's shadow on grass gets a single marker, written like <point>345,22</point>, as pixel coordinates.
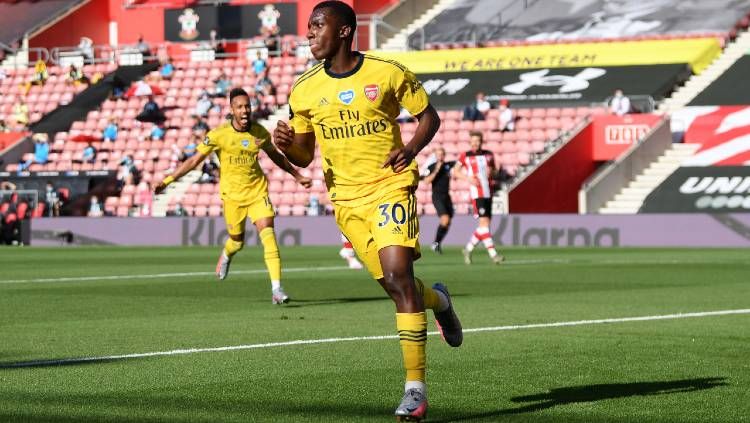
<point>345,300</point>
<point>591,393</point>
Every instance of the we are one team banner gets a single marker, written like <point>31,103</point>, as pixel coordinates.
<point>697,52</point>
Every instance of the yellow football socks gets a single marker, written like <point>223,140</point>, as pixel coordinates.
<point>231,247</point>
<point>429,296</point>
<point>271,253</point>
<point>412,333</point>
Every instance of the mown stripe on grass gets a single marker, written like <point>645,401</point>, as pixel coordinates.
<point>81,360</point>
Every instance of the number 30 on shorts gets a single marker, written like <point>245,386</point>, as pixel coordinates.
<point>395,212</point>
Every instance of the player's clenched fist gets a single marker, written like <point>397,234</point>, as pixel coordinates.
<point>283,136</point>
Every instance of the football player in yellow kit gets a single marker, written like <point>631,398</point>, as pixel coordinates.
<point>348,104</point>
<point>243,185</point>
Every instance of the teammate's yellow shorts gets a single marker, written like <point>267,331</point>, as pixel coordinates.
<point>391,220</point>
<point>235,214</point>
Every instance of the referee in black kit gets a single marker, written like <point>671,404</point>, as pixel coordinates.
<point>440,176</point>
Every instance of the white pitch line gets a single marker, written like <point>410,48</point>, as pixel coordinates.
<point>254,271</point>
<point>78,360</point>
<point>164,275</point>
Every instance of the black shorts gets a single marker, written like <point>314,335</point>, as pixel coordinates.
<point>443,205</point>
<point>482,207</point>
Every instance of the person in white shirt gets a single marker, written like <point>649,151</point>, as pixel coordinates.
<point>506,120</point>
<point>619,105</point>
<point>477,109</point>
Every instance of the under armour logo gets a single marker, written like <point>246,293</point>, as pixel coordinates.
<point>566,83</point>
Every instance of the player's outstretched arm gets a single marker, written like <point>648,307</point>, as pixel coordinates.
<point>429,123</point>
<point>279,160</point>
<point>184,168</point>
<point>298,148</point>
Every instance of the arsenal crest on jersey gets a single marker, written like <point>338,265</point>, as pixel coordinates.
<point>372,92</point>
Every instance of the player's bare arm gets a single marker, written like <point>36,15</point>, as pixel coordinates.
<point>298,148</point>
<point>429,123</point>
<point>279,160</point>
<point>184,168</point>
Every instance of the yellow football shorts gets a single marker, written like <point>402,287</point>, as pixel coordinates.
<point>235,214</point>
<point>391,220</point>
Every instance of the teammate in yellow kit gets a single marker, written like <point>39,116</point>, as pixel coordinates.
<point>348,104</point>
<point>244,188</point>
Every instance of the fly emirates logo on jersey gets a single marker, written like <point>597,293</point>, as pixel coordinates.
<point>350,125</point>
<point>241,158</point>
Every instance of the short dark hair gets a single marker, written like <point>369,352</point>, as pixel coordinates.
<point>477,134</point>
<point>237,92</point>
<point>342,10</point>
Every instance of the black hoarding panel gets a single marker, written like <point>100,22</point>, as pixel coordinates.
<point>230,22</point>
<point>699,189</point>
<point>731,88</point>
<point>530,87</point>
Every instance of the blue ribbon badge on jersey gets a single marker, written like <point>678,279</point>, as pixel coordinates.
<point>245,143</point>
<point>346,97</point>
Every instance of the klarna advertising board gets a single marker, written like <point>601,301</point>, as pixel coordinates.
<point>642,230</point>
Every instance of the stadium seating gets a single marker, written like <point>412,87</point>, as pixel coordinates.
<point>471,23</point>
<point>155,159</point>
<point>42,99</point>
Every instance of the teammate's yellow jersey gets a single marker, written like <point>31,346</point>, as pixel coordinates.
<point>242,179</point>
<point>353,116</point>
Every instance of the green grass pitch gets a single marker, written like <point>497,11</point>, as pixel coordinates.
<point>58,304</point>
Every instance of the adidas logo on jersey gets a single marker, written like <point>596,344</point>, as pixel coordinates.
<point>397,231</point>
<point>323,102</point>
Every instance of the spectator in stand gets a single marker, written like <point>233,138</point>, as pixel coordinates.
<point>151,112</point>
<point>477,109</point>
<point>89,154</point>
<point>262,111</point>
<point>477,166</point>
<point>21,113</point>
<point>179,210</point>
<point>39,77</point>
<point>203,105</point>
<point>619,105</point>
<point>264,85</point>
<point>144,198</point>
<point>52,200</point>
<point>167,69</point>
<point>110,131</point>
<point>4,126</point>
<point>86,47</point>
<point>143,47</point>
<point>95,207</point>
<point>41,148</point>
<point>76,76</point>
<point>506,119</point>
<point>157,132</point>
<point>127,172</point>
<point>222,85</point>
<point>3,75</point>
<point>209,172</point>
<point>200,127</point>
<point>189,150</point>
<point>259,65</point>
<point>220,52</point>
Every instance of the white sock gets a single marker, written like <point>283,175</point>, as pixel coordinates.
<point>415,384</point>
<point>470,245</point>
<point>275,285</point>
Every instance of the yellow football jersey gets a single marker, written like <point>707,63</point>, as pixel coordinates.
<point>353,116</point>
<point>242,179</point>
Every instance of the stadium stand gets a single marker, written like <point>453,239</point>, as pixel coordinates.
<point>21,17</point>
<point>511,22</point>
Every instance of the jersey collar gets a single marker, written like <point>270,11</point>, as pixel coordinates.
<point>327,67</point>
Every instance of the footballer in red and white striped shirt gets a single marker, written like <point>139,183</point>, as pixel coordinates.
<point>478,167</point>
